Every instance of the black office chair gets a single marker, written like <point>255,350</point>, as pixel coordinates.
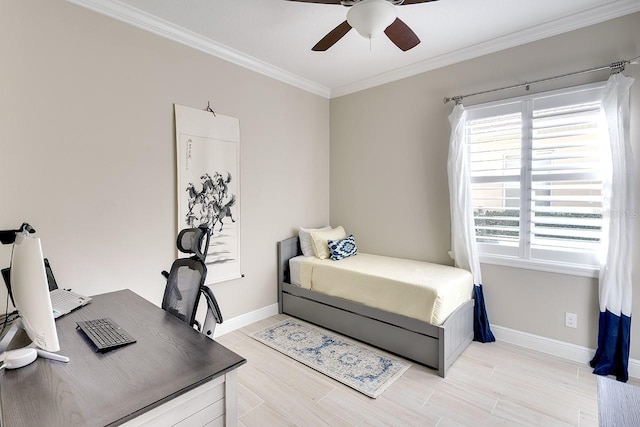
<point>185,282</point>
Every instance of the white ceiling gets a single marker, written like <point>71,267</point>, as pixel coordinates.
<point>275,37</point>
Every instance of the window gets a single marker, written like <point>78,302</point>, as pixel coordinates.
<point>535,167</point>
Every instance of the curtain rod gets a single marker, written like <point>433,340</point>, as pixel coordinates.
<point>615,67</point>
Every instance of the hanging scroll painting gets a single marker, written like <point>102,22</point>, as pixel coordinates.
<point>208,148</point>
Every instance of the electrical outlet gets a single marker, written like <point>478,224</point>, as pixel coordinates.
<point>571,320</point>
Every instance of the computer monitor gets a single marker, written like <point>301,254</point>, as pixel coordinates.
<point>6,275</point>
<point>31,296</point>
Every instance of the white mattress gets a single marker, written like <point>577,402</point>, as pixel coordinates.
<point>295,264</point>
<point>420,290</point>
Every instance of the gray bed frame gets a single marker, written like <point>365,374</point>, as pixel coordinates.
<point>434,346</point>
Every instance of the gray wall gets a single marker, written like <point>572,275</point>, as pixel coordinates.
<point>389,149</point>
<point>87,150</point>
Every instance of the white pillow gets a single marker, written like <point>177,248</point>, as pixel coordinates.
<point>320,241</point>
<point>305,239</point>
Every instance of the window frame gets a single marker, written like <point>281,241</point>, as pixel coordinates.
<point>582,264</point>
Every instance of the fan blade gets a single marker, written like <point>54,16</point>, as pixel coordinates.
<point>319,1</point>
<point>401,35</point>
<point>330,39</point>
<point>405,2</point>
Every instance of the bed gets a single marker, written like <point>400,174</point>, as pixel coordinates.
<point>434,345</point>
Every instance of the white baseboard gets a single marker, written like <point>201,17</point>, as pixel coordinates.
<point>557,348</point>
<point>562,349</point>
<point>243,320</point>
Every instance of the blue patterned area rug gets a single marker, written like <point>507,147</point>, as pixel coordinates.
<point>362,368</point>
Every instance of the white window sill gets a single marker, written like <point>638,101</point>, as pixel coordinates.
<point>555,267</point>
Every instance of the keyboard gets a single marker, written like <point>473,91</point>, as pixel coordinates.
<point>60,297</point>
<point>105,334</point>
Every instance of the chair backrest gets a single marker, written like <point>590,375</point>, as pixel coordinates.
<point>187,275</point>
<point>182,293</point>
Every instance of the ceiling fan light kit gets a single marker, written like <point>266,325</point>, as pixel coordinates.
<point>371,17</point>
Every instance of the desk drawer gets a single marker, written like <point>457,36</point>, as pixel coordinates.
<point>207,416</point>
<point>196,407</point>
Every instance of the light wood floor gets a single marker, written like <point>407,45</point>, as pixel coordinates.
<point>493,384</point>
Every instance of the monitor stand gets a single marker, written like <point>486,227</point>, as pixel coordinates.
<point>14,359</point>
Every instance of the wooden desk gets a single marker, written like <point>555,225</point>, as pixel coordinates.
<point>171,373</point>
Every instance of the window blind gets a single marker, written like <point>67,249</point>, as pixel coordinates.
<point>535,166</point>
<point>495,163</point>
<point>566,187</point>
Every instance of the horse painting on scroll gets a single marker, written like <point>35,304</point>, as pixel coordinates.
<point>208,185</point>
<point>213,200</point>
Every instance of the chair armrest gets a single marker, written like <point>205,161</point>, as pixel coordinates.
<point>212,303</point>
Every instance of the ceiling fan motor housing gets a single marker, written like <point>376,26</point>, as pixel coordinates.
<point>371,17</point>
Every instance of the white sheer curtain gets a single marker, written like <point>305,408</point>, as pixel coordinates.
<point>463,233</point>
<point>612,355</point>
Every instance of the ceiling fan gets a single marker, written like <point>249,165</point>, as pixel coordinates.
<point>371,18</point>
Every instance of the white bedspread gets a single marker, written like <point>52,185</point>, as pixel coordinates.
<point>421,290</point>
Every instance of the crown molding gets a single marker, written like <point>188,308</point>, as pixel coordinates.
<point>579,20</point>
<point>153,24</point>
<point>130,15</point>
